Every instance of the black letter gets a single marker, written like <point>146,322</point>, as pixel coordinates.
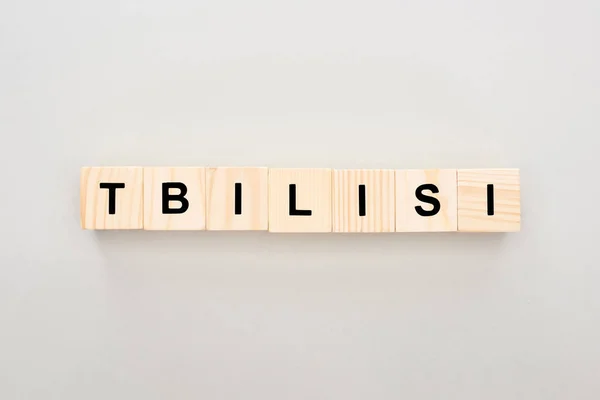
<point>490,199</point>
<point>293,210</point>
<point>362,201</point>
<point>166,197</point>
<point>112,194</point>
<point>427,199</point>
<point>238,199</point>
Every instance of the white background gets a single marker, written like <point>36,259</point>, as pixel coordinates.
<point>342,84</point>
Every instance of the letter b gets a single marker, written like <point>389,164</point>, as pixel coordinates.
<point>180,197</point>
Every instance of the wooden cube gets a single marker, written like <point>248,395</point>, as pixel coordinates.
<point>174,198</point>
<point>237,199</point>
<point>299,200</point>
<point>363,200</point>
<point>111,197</point>
<point>489,200</point>
<point>426,200</point>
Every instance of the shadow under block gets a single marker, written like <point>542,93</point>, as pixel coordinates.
<point>489,200</point>
<point>111,197</point>
<point>363,200</point>
<point>419,208</point>
<point>300,200</point>
<point>170,190</point>
<point>237,199</point>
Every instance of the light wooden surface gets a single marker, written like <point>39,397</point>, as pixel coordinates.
<point>407,217</point>
<point>313,192</point>
<point>128,201</point>
<point>472,200</point>
<point>194,217</point>
<point>379,196</point>
<point>221,199</point>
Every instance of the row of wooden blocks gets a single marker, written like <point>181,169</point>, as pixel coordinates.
<point>300,200</point>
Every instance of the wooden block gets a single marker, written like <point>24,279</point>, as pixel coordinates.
<point>489,200</point>
<point>174,198</point>
<point>299,200</point>
<point>426,200</point>
<point>237,199</point>
<point>363,200</point>
<point>111,197</point>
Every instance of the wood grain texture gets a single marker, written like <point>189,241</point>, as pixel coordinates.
<point>194,218</point>
<point>407,217</point>
<point>313,192</point>
<point>379,200</point>
<point>472,200</point>
<point>94,201</point>
<point>221,199</point>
